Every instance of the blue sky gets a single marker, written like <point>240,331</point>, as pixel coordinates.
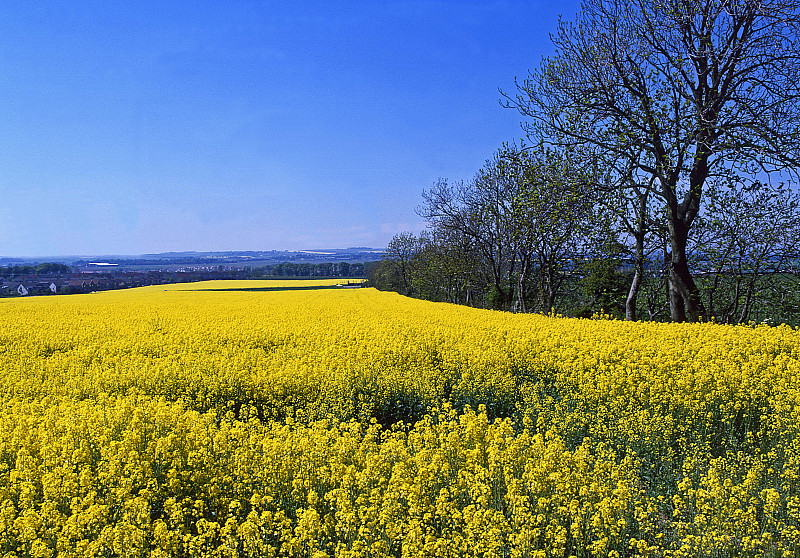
<point>141,127</point>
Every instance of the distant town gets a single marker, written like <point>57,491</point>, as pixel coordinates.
<point>85,274</point>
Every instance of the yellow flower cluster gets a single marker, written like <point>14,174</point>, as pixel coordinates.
<point>233,419</point>
<point>136,476</point>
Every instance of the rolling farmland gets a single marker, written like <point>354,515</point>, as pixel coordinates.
<point>252,419</point>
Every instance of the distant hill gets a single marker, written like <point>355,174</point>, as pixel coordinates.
<point>166,260</point>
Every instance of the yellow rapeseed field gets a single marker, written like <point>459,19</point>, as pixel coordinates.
<point>238,419</point>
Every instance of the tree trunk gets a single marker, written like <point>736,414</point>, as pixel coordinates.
<point>522,280</point>
<point>633,293</point>
<point>685,302</point>
<point>676,308</point>
<point>638,275</point>
<point>551,289</point>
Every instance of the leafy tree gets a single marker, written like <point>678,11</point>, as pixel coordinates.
<point>382,276</point>
<point>521,216</point>
<point>444,268</point>
<point>400,252</point>
<point>51,267</point>
<point>687,90</point>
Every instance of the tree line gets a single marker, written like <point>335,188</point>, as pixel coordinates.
<point>656,180</point>
<point>325,269</point>
<point>48,268</point>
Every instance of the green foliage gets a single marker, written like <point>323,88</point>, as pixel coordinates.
<point>39,269</point>
<point>604,283</point>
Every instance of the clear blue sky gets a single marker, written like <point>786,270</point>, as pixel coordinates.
<point>140,127</point>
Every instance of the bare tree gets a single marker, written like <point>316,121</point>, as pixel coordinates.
<point>699,87</point>
<point>483,210</point>
<point>553,211</point>
<point>624,193</point>
<point>747,249</point>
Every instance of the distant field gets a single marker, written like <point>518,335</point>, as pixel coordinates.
<point>224,419</point>
<point>259,284</point>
